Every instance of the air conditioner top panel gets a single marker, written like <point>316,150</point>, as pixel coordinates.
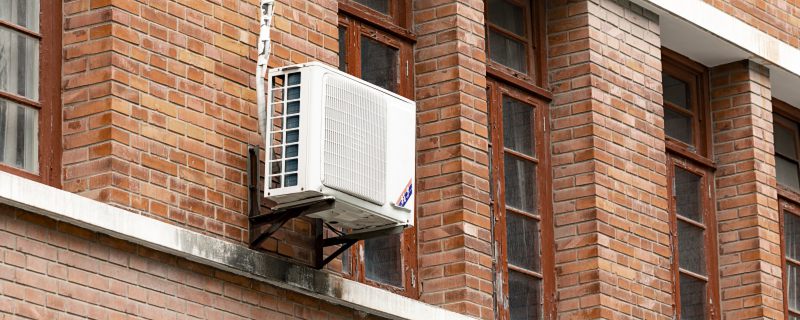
<point>287,69</point>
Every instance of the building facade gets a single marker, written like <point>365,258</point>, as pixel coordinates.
<point>576,159</point>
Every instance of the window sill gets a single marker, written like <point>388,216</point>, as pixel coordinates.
<point>99,217</point>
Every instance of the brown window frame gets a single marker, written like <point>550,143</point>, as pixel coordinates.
<point>709,226</point>
<point>397,22</point>
<point>792,114</point>
<point>535,79</point>
<point>49,103</point>
<point>696,77</point>
<point>787,203</point>
<point>496,90</point>
<point>355,27</point>
<point>698,161</point>
<point>788,198</point>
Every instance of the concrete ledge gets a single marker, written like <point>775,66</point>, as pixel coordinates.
<point>74,209</point>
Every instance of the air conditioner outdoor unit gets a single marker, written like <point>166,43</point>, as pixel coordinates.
<point>333,136</point>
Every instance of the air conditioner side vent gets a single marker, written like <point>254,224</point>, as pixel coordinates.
<point>354,139</point>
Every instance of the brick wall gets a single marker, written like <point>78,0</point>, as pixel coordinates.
<point>455,253</point>
<point>609,188</point>
<point>747,201</point>
<point>778,18</point>
<point>51,270</point>
<point>159,105</point>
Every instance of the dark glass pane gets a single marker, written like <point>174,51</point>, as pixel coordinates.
<point>678,126</point>
<point>787,172</point>
<point>291,180</point>
<point>793,317</point>
<point>524,296</point>
<point>791,232</point>
<point>507,51</point>
<point>688,194</point>
<point>676,92</point>
<point>693,297</point>
<point>785,142</point>
<point>520,183</point>
<point>691,246</point>
<point>382,260</point>
<point>522,239</point>
<point>343,49</point>
<point>381,6</point>
<point>379,64</point>
<point>518,122</point>
<point>793,278</point>
<point>507,16</point>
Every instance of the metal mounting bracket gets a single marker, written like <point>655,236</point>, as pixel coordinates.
<point>264,225</point>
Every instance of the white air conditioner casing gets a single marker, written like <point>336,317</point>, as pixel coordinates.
<point>333,135</point>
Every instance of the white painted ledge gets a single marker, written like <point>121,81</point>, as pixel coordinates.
<point>96,216</point>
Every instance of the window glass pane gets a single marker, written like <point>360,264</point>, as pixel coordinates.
<point>524,296</point>
<point>379,64</point>
<point>787,172</point>
<point>678,126</point>
<point>785,142</point>
<point>688,194</point>
<point>509,52</point>
<point>676,92</point>
<point>381,6</point>
<point>507,16</point>
<point>691,248</point>
<point>19,132</point>
<point>522,237</point>
<point>518,122</point>
<point>24,13</point>
<point>791,232</point>
<point>343,49</point>
<point>693,297</point>
<point>382,259</point>
<point>793,278</point>
<point>520,183</point>
<point>19,64</point>
<point>793,317</point>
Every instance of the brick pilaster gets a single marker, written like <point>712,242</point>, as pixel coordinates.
<point>608,155</point>
<point>747,204</point>
<point>159,105</point>
<point>455,254</point>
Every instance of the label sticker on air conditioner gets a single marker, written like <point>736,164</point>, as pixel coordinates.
<point>402,200</point>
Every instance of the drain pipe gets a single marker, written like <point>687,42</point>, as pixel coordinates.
<point>264,46</point>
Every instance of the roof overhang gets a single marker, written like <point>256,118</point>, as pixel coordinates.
<point>713,37</point>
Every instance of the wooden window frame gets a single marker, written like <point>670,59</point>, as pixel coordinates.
<point>791,204</point>
<point>790,113</point>
<point>696,77</point>
<point>397,22</point>
<point>49,103</point>
<point>496,90</point>
<point>356,27</point>
<point>788,198</point>
<point>709,225</point>
<point>535,79</point>
<point>698,161</point>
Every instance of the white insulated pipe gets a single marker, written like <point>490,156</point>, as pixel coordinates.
<point>264,45</point>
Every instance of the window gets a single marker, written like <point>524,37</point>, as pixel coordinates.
<point>389,260</point>
<point>513,38</point>
<point>787,161</point>
<point>685,112</point>
<point>523,223</point>
<point>787,137</point>
<point>27,110</point>
<point>691,188</point>
<point>519,142</point>
<point>791,250</point>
